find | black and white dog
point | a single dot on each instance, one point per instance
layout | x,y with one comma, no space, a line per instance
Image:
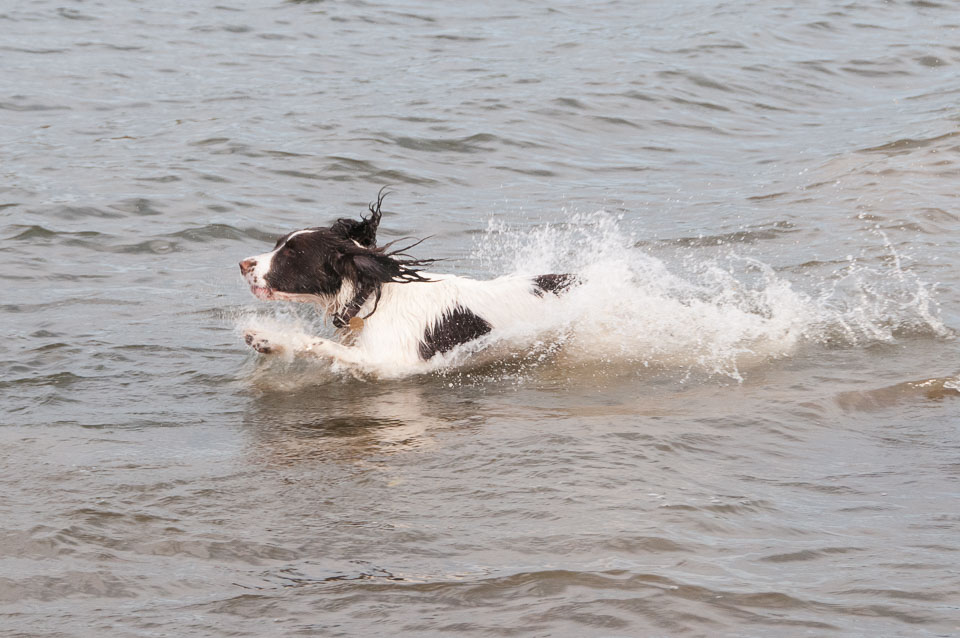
392,317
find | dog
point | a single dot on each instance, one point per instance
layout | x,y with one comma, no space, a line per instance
392,317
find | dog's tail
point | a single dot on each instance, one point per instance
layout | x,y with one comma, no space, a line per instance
557,284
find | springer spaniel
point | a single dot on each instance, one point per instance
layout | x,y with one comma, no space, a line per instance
391,316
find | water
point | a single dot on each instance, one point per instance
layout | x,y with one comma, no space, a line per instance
743,424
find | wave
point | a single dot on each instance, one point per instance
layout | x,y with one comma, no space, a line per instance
933,389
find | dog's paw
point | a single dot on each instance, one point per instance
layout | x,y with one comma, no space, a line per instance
261,342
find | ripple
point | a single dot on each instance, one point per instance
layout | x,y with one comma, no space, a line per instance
73,14
468,144
70,583
933,389
81,212
221,231
705,105
808,554
10,106
39,232
351,169
617,121
162,179
773,230
29,50
57,380
907,145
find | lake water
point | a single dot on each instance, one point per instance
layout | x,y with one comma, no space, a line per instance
745,424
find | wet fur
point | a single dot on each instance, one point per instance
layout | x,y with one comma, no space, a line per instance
411,319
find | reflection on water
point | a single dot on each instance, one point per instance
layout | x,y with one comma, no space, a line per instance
343,420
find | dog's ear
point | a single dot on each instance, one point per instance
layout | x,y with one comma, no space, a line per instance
373,267
377,266
364,232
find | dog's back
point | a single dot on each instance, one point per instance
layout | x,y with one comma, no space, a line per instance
416,322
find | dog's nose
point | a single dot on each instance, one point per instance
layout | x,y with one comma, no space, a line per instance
247,265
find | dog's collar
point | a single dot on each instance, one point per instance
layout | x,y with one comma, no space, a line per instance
348,316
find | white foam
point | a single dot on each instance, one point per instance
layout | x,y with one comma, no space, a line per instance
704,314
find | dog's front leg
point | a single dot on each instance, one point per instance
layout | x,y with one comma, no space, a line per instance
302,346
263,342
338,352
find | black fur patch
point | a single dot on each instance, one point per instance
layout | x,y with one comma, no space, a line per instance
454,328
552,283
308,263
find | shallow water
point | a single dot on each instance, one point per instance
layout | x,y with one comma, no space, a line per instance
744,425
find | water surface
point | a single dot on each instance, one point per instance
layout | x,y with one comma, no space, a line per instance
745,426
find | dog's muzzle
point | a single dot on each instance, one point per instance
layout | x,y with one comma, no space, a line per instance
260,291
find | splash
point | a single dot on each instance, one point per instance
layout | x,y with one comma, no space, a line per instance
287,324
703,315
684,314
863,303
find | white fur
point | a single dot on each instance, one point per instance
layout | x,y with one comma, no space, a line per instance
389,343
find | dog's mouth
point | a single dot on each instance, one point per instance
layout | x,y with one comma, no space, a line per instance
266,293
263,292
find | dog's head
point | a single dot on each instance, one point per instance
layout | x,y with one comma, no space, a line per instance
313,264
